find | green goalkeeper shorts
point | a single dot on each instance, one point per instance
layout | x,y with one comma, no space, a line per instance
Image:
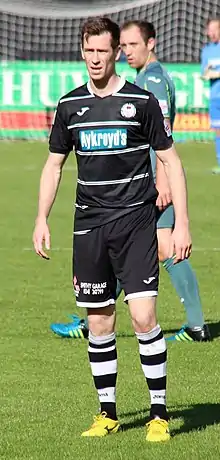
166,218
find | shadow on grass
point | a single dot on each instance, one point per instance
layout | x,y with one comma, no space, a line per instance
125,334
197,417
213,327
214,331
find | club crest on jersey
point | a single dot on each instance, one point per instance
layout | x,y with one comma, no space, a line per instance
128,110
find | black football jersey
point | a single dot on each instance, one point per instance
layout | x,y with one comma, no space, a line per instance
111,137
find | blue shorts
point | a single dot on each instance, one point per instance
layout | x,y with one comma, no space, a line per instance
166,218
214,112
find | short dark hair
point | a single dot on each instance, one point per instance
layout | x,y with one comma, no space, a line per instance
146,28
98,26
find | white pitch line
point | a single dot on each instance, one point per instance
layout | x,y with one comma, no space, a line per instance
34,167
198,249
31,168
195,249
57,249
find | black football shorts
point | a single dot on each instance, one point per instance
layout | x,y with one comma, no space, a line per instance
124,249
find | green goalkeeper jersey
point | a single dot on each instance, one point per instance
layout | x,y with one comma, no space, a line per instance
154,78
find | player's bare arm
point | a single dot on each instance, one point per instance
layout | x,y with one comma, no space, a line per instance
162,185
49,184
181,238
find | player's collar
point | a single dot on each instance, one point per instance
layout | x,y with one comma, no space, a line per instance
119,86
149,64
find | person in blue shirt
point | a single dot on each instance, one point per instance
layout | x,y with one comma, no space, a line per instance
210,69
137,43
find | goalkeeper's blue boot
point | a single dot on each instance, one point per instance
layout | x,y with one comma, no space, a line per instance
186,334
76,329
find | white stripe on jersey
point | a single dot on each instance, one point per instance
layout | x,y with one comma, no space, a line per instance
84,206
104,123
76,98
112,182
135,204
82,232
138,96
113,152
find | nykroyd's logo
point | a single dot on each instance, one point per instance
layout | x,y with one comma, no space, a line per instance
103,139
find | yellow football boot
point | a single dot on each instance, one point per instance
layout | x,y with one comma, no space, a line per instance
102,426
157,430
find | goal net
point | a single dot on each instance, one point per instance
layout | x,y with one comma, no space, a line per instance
40,57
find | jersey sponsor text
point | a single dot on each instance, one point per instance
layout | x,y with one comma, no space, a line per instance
100,139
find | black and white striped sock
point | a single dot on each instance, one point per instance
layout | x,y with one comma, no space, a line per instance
153,355
103,361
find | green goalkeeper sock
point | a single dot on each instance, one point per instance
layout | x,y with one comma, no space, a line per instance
118,289
185,283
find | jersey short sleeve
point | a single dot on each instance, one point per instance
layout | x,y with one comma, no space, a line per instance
156,128
60,140
157,86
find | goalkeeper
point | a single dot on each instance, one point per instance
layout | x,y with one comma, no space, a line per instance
137,43
211,72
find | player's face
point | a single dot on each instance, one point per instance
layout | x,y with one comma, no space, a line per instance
134,47
99,56
213,31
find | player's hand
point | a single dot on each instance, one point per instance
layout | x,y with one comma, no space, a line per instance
181,243
164,198
41,238
211,74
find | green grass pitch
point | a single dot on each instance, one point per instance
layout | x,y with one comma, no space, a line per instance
47,395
